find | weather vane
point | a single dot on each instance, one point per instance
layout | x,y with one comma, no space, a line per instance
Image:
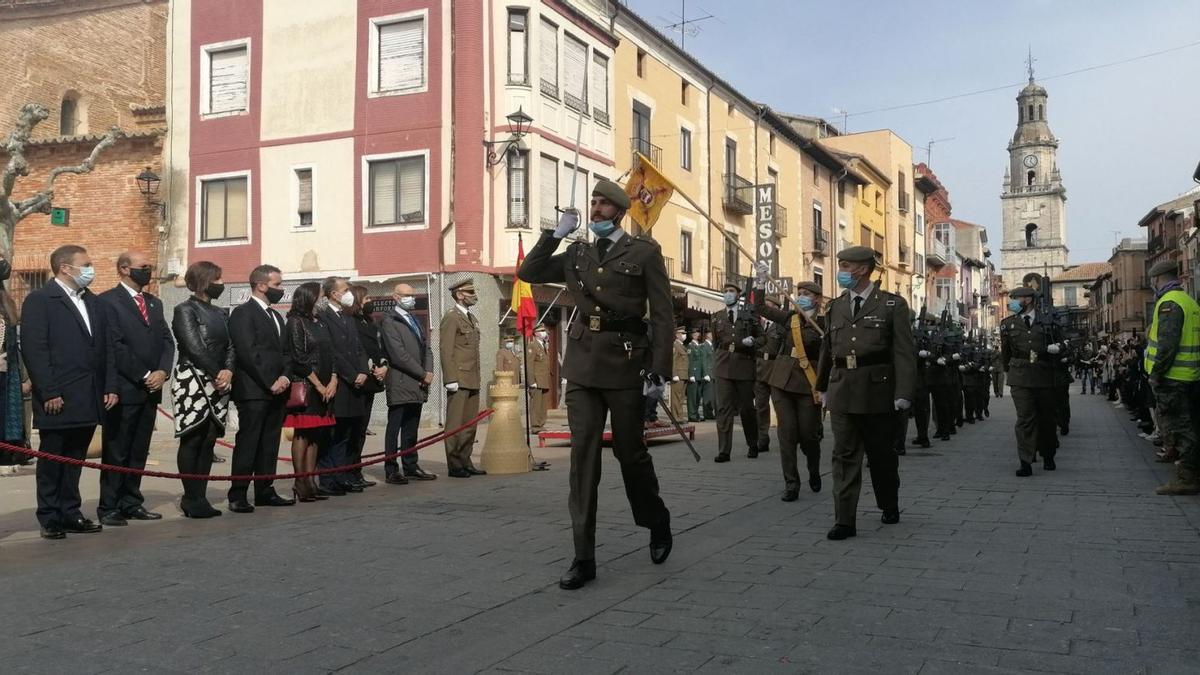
1029,63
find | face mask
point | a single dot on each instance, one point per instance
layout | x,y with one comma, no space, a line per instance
86,275
214,291
5,270
845,279
804,302
679,337
274,295
407,302
1014,306
139,276
730,298
602,228
346,299
541,334
468,300
508,345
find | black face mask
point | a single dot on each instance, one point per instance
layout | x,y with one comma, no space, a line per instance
214,291
5,270
139,275
274,295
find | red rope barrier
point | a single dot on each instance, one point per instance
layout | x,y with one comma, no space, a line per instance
278,476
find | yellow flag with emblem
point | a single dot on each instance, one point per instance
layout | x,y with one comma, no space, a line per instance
648,190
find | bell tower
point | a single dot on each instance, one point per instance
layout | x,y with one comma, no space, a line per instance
1034,201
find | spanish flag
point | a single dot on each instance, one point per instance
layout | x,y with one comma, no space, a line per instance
523,306
648,192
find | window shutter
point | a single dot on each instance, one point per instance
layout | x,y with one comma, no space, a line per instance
598,83
518,45
402,55
547,190
304,178
548,58
412,190
227,77
383,193
574,69
518,199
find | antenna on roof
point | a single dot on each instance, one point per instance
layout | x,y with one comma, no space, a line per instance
844,113
929,149
684,25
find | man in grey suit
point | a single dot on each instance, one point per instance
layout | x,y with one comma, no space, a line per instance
408,380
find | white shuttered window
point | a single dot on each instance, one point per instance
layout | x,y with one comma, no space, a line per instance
518,46
397,192
547,191
575,58
598,84
582,189
401,55
548,58
228,80
304,198
518,189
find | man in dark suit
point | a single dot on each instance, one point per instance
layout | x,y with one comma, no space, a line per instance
74,381
408,382
260,389
143,351
350,364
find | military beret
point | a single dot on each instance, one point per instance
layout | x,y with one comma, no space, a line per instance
731,285
464,285
1022,292
810,286
1164,267
774,300
612,192
858,254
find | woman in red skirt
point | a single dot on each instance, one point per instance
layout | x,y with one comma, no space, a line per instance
312,363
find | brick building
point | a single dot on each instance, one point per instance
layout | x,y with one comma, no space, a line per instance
1167,225
1121,297
96,64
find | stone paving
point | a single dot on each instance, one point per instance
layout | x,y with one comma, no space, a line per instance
1083,570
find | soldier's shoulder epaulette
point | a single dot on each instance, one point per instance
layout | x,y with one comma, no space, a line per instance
645,239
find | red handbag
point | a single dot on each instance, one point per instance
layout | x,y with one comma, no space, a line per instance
298,396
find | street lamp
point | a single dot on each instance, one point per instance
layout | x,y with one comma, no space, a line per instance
148,183
521,124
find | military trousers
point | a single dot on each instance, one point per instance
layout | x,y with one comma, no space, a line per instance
695,400
956,392
1177,404
678,394
762,412
998,383
461,406
709,396
855,436
1062,405
943,409
587,409
920,413
735,398
799,425
537,408
1035,422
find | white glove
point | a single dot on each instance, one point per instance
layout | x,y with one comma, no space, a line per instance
748,341
564,383
567,223
707,378
1054,348
962,369
1066,360
924,353
675,378
941,361
821,395
902,404
451,387
956,356
653,387
533,385
761,270
691,379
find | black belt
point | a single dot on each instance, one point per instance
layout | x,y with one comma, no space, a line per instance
600,324
854,361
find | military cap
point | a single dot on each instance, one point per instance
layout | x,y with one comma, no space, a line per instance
681,328
810,286
612,192
464,285
1022,292
858,254
1164,267
539,326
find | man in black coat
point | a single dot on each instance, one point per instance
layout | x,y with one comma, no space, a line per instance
260,389
143,352
74,381
349,404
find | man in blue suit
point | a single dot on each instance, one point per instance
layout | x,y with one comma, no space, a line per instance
74,382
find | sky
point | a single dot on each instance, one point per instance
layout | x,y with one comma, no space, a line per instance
1129,134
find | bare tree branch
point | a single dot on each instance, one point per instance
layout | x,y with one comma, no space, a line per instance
110,137
30,116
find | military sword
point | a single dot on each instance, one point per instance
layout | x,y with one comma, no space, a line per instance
675,423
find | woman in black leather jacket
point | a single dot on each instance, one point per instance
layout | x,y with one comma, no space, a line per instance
312,363
202,381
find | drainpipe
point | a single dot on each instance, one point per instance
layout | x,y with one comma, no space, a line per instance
708,176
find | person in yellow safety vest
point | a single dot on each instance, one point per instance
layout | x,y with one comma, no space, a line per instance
1173,367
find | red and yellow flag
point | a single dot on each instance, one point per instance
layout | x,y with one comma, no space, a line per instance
649,191
523,305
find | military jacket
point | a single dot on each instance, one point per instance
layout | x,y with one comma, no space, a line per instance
679,360
734,360
628,285
868,359
539,364
508,362
696,361
1023,353
785,371
459,347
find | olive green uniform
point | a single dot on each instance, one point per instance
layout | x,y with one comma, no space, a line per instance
797,412
679,376
1031,381
735,372
539,383
459,351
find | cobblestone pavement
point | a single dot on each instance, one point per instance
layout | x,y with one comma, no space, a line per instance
1082,570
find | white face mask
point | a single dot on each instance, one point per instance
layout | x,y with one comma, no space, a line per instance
508,345
541,334
407,302
346,298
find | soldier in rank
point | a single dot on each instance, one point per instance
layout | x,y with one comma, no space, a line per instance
1029,359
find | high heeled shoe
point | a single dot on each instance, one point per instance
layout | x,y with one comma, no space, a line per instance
302,496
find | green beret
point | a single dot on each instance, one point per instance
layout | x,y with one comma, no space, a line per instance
1164,267
728,285
613,193
1022,292
858,254
810,286
774,300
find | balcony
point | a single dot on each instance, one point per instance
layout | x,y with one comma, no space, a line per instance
820,242
1156,244
652,152
548,88
938,253
904,257
903,202
780,221
738,195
